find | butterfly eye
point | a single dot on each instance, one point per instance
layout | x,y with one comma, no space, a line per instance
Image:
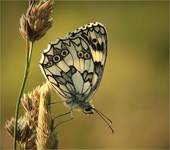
56,58
86,55
64,53
80,54
88,110
94,40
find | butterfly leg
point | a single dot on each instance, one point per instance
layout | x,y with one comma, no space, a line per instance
56,102
69,112
71,118
51,103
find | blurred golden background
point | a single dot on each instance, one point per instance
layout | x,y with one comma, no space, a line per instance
134,88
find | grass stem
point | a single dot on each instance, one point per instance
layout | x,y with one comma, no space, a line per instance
27,66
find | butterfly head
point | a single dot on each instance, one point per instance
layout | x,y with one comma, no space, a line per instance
87,109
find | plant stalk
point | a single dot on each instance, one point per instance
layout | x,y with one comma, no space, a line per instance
27,66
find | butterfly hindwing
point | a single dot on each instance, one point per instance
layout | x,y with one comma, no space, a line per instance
74,65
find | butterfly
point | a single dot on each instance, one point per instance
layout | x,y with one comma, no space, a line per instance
74,66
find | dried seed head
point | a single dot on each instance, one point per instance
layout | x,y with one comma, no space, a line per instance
23,131
35,128
31,143
46,138
37,20
30,103
9,126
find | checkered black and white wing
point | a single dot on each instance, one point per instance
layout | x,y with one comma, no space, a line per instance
74,65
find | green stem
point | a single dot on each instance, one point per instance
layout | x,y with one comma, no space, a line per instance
27,66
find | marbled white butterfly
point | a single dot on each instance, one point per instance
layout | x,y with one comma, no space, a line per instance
74,66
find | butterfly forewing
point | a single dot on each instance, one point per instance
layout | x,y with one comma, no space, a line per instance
74,65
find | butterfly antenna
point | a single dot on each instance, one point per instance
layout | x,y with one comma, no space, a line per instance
105,119
51,103
105,116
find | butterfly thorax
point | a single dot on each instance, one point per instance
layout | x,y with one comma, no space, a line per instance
86,107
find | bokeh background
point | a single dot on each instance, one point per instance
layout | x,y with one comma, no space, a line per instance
134,88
